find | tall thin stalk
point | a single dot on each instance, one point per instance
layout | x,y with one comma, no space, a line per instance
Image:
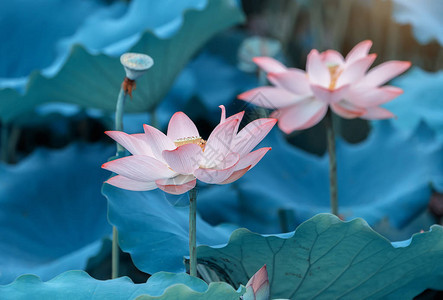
330,136
192,232
119,110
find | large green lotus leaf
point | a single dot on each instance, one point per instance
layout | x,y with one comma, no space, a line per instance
215,291
52,215
423,16
153,231
93,81
326,258
79,285
421,101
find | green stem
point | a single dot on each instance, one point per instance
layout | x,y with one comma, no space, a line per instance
192,232
332,163
115,253
119,110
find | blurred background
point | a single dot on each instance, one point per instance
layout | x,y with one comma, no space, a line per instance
39,37
59,80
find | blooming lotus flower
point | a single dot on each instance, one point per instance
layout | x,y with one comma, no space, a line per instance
301,99
174,161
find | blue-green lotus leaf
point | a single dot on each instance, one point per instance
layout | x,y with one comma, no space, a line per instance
98,27
423,16
52,215
93,80
79,285
37,31
153,231
386,177
326,258
421,101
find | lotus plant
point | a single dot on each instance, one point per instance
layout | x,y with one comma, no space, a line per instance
174,161
301,99
135,65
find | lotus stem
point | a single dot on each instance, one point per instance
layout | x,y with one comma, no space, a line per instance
192,232
119,110
332,162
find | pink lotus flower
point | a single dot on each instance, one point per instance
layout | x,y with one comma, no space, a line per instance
174,161
301,99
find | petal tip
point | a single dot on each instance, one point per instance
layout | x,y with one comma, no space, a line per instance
244,95
257,59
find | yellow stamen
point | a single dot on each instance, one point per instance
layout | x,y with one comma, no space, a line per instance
335,73
191,140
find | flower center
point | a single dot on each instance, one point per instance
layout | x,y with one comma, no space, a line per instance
335,73
191,140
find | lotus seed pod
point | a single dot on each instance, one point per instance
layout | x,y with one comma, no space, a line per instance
136,64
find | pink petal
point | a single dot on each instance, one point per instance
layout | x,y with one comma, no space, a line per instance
332,57
223,113
219,173
158,141
270,97
131,185
300,116
359,51
268,64
317,71
139,167
247,163
177,185
177,180
185,159
251,135
213,176
329,96
251,159
235,176
294,80
135,143
219,143
355,71
384,72
260,283
180,126
347,110
238,117
374,96
377,113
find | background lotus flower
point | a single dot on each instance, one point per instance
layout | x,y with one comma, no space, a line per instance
301,99
174,161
